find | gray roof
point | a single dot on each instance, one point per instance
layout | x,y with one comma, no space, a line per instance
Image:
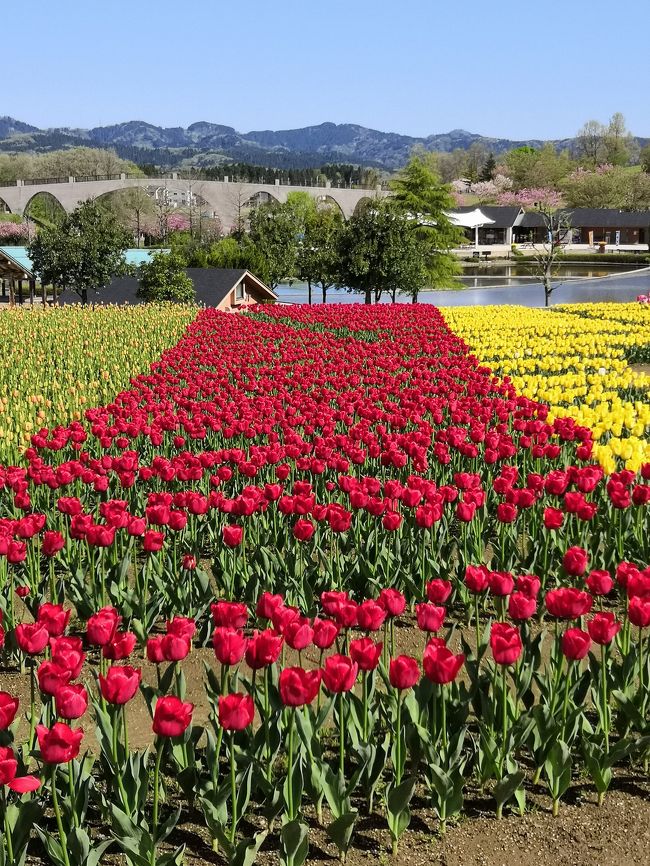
593,217
211,285
504,217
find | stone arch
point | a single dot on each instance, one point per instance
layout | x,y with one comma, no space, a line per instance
363,201
52,202
262,196
4,207
327,201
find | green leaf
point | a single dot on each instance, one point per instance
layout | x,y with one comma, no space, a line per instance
295,841
505,789
340,830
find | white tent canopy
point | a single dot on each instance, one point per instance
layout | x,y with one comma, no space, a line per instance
473,219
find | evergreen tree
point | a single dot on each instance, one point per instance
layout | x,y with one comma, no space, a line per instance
424,201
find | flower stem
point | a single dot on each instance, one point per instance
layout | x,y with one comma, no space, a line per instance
156,795
603,674
59,823
233,788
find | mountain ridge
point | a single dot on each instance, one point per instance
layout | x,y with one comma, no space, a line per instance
206,143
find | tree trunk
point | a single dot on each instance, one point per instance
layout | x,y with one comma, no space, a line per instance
377,295
324,295
414,297
368,299
84,296
309,291
393,295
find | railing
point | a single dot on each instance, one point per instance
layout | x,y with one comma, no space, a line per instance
41,181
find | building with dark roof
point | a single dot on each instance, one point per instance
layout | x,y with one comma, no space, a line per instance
227,289
591,226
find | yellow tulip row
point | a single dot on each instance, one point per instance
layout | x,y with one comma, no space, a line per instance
60,361
573,358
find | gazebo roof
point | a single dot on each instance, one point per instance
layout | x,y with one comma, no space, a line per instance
470,219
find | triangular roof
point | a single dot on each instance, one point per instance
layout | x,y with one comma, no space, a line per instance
211,286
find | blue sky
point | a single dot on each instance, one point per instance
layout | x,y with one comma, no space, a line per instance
513,69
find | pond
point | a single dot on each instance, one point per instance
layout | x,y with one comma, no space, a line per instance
623,286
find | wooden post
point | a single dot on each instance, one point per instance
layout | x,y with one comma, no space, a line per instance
44,294
12,292
20,292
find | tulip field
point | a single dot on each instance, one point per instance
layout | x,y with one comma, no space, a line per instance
268,577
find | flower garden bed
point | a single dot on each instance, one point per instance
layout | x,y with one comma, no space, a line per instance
380,592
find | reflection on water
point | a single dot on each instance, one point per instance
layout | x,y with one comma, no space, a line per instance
485,275
622,287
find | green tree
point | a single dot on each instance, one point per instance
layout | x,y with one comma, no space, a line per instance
617,141
320,249
421,198
644,159
489,168
275,230
230,253
381,253
163,278
84,253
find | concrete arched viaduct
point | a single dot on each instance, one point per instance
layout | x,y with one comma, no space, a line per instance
225,198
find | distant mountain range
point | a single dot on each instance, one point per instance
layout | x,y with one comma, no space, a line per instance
206,143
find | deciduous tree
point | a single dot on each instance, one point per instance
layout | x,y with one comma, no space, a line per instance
84,253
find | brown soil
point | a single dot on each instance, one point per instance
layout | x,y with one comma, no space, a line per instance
640,368
584,834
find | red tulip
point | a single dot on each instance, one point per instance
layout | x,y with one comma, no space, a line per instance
403,672
366,653
370,615
575,561
505,643
339,673
599,582
303,530
51,676
8,770
233,614
181,626
639,611
298,686
438,591
60,743
325,632
575,644
298,633
8,709
521,606
232,535
120,683
429,616
392,601
120,646
172,716
102,625
52,543
175,647
153,541
566,602
603,627
71,701
236,711
267,604
476,578
229,645
263,649
440,664
32,637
